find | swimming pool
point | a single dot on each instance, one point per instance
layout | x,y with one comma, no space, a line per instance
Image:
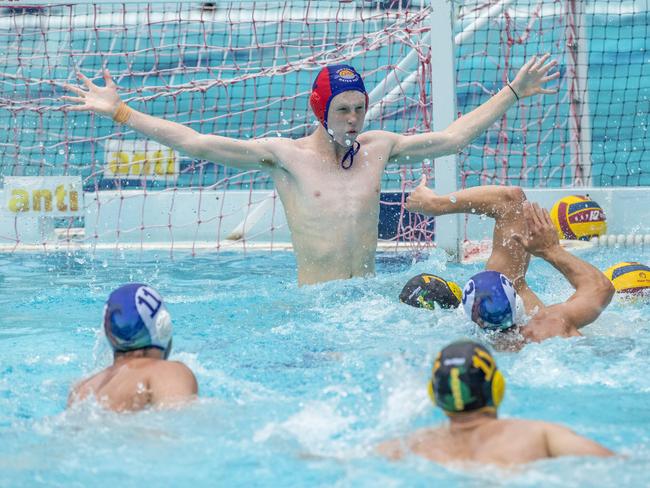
297,384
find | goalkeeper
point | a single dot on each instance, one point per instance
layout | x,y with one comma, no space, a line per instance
329,182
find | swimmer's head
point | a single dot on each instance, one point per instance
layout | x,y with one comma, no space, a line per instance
490,300
330,82
428,291
465,379
135,317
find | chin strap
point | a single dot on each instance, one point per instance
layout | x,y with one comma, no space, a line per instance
350,154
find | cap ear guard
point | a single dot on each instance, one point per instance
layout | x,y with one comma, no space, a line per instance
496,383
498,388
430,389
455,289
432,394
155,315
163,325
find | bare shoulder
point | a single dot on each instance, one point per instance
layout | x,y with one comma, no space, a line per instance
418,442
540,427
563,441
552,427
280,142
524,424
176,368
394,449
523,433
290,152
78,391
379,136
85,387
172,379
276,145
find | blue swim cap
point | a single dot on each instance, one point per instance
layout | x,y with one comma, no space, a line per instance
135,317
490,300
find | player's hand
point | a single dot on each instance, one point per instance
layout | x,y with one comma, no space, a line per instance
422,199
103,100
541,236
534,75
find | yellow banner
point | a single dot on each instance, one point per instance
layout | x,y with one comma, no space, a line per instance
52,196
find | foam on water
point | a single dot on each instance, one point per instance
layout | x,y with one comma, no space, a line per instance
297,384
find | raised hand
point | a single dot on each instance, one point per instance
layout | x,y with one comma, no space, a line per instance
533,76
101,100
422,199
541,236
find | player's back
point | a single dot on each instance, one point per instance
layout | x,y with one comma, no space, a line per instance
501,442
130,385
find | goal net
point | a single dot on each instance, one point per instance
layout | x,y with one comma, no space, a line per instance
245,69
591,135
237,69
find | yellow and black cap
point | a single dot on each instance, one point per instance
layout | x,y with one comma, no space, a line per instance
427,290
465,378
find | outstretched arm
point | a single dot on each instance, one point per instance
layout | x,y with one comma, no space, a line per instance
253,154
529,81
593,290
564,442
504,205
493,201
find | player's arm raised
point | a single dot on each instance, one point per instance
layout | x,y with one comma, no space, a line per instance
593,291
252,154
529,81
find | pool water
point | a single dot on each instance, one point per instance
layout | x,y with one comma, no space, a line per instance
297,385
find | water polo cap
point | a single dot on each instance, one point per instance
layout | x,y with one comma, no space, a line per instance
490,300
465,378
331,81
427,291
135,317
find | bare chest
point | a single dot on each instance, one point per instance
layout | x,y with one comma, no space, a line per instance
322,181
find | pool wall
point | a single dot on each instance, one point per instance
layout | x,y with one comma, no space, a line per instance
183,218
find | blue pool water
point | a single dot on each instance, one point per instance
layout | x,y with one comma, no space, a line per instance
297,384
